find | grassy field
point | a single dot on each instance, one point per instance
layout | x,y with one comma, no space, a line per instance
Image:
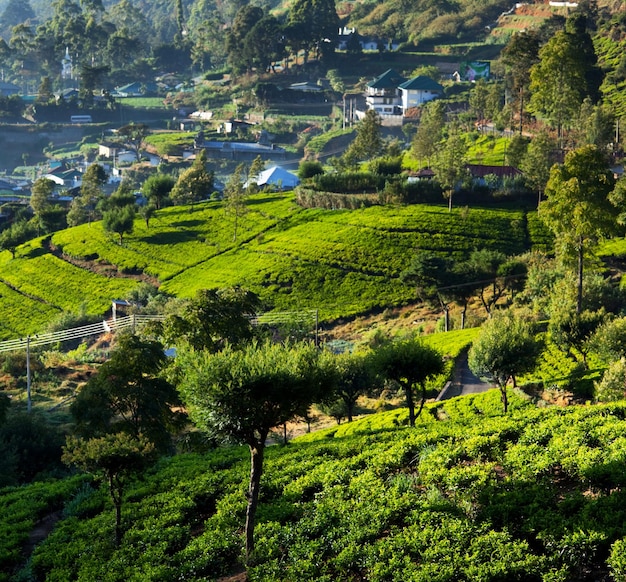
342,263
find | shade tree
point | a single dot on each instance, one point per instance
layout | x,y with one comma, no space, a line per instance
116,458
128,394
242,394
580,208
214,318
505,348
410,363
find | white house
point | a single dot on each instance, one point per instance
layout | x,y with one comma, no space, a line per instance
419,90
383,95
391,94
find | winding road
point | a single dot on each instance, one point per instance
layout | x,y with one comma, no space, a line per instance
465,382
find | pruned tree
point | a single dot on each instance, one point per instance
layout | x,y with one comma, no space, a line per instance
243,394
410,363
355,377
505,348
114,457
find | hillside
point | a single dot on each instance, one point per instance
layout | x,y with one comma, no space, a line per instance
341,263
466,495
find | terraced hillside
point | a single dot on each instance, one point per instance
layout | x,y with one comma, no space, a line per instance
340,262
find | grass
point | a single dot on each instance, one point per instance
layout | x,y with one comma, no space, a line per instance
142,102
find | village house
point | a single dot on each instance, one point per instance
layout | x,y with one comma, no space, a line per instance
391,95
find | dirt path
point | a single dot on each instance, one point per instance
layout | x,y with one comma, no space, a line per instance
40,532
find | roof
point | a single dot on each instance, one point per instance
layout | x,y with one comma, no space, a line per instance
277,176
421,83
390,79
306,86
479,171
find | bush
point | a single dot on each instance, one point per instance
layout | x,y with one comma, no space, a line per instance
309,170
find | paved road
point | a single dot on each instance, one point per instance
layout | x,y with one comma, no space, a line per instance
464,382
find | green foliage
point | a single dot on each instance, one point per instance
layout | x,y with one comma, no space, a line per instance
505,348
468,495
127,395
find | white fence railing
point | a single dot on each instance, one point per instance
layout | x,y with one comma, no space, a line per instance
53,337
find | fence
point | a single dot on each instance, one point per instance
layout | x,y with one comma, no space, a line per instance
132,322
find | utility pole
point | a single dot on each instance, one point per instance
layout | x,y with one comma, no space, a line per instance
28,400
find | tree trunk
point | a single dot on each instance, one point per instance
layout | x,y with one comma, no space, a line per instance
504,397
579,296
422,401
256,469
410,404
115,488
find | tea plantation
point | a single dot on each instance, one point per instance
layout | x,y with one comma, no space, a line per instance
468,494
341,262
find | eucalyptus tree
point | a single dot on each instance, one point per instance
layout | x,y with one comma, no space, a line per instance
519,56
566,74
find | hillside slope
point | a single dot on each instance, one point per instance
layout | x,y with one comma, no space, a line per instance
341,263
466,495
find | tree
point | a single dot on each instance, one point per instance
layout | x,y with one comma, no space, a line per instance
134,134
430,130
235,196
409,363
579,209
214,318
40,194
128,395
264,44
44,93
567,73
354,378
157,188
428,272
571,330
119,220
519,56
194,184
147,211
243,394
257,166
368,143
450,165
245,20
115,457
505,348
537,161
15,235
